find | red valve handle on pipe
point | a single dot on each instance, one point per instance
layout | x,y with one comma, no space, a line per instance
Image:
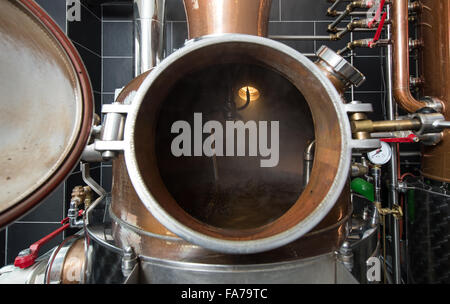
377,14
27,257
409,139
379,30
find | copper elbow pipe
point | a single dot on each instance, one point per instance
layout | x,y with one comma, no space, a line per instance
400,39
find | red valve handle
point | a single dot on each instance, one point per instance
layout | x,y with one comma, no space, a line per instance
410,139
67,219
27,257
379,30
377,14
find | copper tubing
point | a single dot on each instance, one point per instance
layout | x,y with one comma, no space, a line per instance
400,39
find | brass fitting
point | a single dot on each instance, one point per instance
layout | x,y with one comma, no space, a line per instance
416,82
370,126
356,119
396,210
415,43
415,7
82,195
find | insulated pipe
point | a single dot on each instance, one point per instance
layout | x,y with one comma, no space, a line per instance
148,34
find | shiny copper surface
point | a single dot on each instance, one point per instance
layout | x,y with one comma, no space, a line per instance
127,206
434,30
157,242
206,17
74,263
125,202
338,83
36,33
400,40
135,226
326,132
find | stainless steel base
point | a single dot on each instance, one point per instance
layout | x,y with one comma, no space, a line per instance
325,269
105,261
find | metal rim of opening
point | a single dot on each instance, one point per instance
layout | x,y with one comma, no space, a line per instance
241,244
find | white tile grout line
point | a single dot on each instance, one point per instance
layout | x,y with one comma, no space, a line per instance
86,48
315,41
92,13
117,57
118,20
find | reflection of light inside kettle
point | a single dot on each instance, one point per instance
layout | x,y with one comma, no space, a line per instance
253,92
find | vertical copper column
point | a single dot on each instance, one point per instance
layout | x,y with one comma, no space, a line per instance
400,39
206,17
435,68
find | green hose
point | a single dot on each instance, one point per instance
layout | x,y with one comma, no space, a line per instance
363,187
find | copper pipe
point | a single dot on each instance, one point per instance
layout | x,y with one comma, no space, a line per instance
206,17
400,39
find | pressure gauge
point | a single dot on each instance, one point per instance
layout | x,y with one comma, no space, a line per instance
381,155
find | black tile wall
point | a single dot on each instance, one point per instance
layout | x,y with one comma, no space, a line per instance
117,47
22,235
86,35
51,210
293,10
117,72
56,10
2,247
117,11
294,28
179,35
175,11
117,60
86,31
93,64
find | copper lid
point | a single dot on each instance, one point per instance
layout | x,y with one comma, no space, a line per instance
46,108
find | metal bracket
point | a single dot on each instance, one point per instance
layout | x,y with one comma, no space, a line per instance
129,261
109,140
358,107
354,108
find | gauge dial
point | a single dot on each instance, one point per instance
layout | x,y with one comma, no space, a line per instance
381,155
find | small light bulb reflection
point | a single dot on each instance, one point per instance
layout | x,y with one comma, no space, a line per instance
253,92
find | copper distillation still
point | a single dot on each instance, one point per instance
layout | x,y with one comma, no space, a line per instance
226,219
